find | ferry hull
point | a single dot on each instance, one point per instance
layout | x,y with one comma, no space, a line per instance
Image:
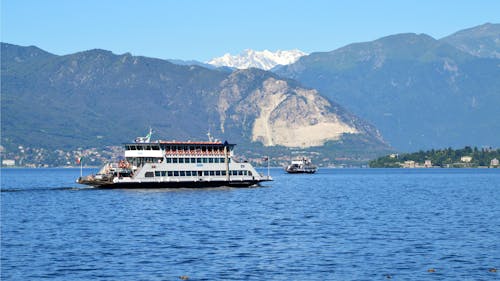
301,171
173,184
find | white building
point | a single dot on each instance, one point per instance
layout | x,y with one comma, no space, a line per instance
409,164
8,162
466,159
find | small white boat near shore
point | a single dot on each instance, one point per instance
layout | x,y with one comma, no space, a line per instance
301,166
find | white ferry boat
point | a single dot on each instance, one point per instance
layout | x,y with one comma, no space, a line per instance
301,165
176,164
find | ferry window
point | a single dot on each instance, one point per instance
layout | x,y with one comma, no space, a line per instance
139,147
212,173
240,173
188,173
205,160
149,174
132,147
210,160
205,173
217,173
193,160
163,173
182,173
198,160
223,173
181,160
249,173
174,160
222,160
186,160
157,174
245,173
191,148
169,173
169,160
176,173
155,147
147,147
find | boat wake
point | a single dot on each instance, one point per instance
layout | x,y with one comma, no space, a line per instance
43,189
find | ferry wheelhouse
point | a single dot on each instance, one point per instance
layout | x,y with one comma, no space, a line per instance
175,164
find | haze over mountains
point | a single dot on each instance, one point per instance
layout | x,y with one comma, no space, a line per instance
409,91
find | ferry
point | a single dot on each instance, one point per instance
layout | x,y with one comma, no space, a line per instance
301,165
176,164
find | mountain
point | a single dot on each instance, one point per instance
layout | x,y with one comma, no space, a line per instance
191,62
421,93
197,63
96,98
259,59
481,41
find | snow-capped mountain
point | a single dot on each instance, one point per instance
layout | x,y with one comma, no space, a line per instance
259,59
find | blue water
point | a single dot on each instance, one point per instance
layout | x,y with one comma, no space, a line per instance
338,224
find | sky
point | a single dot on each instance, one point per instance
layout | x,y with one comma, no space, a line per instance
204,29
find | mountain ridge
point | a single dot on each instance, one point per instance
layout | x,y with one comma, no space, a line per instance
420,92
96,98
481,41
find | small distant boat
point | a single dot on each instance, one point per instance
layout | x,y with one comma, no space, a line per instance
300,166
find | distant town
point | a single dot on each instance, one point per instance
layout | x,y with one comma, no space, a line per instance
44,158
28,157
467,157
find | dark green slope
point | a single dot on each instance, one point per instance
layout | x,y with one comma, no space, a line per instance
95,98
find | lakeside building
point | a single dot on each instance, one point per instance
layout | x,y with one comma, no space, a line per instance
8,162
466,159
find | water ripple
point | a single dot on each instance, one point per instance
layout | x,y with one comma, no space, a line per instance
335,225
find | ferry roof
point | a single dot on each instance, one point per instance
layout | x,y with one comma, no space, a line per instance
173,142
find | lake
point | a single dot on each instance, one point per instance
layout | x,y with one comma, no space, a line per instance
338,224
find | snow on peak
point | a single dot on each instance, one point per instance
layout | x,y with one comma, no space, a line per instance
259,59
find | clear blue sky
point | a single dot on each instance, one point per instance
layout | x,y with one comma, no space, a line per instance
203,29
